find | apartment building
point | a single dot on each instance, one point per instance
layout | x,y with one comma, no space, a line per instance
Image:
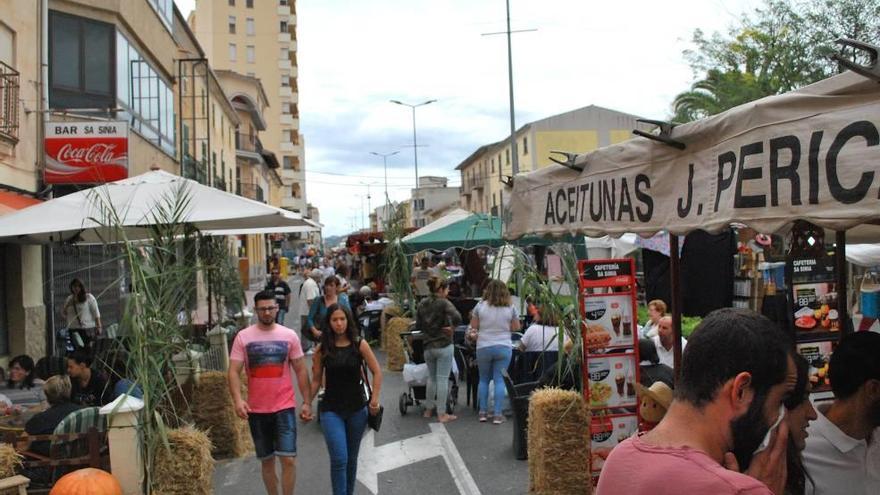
578,131
257,38
433,195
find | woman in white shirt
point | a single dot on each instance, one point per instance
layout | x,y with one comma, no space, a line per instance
541,335
656,310
82,314
493,318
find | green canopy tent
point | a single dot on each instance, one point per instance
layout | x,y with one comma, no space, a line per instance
465,230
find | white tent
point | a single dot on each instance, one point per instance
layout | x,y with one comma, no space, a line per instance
85,216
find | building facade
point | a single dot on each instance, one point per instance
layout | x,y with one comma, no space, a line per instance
234,33
577,131
433,194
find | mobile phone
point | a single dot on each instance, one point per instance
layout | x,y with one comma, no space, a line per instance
766,441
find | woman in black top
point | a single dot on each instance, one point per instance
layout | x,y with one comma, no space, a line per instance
337,364
437,319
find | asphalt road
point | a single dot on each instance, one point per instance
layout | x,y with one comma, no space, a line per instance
412,455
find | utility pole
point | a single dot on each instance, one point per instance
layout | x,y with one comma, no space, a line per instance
514,160
385,166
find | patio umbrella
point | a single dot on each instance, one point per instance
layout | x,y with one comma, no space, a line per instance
83,216
458,229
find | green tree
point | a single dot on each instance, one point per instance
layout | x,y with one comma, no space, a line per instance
779,47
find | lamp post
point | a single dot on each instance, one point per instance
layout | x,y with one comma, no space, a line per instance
415,144
385,166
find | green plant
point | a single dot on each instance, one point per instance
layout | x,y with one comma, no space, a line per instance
224,284
397,265
162,275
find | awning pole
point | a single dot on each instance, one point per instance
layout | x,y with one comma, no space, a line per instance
675,294
842,279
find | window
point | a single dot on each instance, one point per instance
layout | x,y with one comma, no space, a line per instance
165,9
145,96
493,165
525,145
232,3
285,80
283,26
249,4
232,24
251,54
249,26
232,52
251,74
283,2
419,204
81,71
284,52
288,163
507,156
7,44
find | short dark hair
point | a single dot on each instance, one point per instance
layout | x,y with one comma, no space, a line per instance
727,342
81,356
855,361
264,295
648,351
331,280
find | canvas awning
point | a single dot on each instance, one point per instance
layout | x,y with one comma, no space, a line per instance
11,202
809,154
83,216
456,229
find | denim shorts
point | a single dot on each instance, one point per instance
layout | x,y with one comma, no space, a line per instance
274,433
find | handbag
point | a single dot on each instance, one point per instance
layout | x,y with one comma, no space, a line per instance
374,420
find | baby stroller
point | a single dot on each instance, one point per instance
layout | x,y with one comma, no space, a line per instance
416,374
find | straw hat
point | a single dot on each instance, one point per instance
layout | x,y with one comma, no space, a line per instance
659,391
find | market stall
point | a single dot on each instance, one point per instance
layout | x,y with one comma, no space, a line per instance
810,154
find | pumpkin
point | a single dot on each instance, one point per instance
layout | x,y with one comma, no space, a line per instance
88,481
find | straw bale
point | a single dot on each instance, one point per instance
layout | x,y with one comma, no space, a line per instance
10,465
393,345
188,468
559,443
214,412
388,313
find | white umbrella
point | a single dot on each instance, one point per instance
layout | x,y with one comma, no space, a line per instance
84,216
311,226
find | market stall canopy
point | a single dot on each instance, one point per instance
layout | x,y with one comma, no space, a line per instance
866,255
11,202
456,229
310,226
83,216
809,154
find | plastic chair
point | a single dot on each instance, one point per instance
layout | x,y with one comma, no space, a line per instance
530,366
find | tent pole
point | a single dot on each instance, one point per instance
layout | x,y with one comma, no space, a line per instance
675,281
842,279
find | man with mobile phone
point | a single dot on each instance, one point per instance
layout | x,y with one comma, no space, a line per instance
735,373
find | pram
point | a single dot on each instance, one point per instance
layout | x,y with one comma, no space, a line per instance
413,349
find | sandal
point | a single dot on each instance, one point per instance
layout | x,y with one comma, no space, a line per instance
429,413
447,418
483,417
497,420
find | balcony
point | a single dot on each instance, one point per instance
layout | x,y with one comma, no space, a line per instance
283,10
219,183
284,64
285,91
250,190
248,142
284,38
286,119
472,184
9,84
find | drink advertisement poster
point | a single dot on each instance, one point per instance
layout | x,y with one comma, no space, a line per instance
606,432
611,314
92,152
611,379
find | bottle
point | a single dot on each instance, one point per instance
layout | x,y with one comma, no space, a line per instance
869,296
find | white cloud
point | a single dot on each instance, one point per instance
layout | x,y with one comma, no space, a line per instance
354,56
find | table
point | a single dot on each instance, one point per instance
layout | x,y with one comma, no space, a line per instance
14,423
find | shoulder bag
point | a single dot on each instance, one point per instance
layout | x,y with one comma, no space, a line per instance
374,420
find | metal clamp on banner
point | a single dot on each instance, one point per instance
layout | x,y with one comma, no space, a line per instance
871,71
665,133
570,158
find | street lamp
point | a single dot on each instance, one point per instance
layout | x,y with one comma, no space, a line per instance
385,165
415,145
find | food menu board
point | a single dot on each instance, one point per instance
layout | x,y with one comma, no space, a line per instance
612,380
606,432
818,354
611,314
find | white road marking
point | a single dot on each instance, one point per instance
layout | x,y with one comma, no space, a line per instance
374,460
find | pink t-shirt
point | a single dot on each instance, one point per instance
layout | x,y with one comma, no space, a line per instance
267,356
637,468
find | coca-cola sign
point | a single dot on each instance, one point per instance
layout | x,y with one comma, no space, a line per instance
86,152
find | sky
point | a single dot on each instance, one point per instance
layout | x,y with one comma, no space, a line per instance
354,56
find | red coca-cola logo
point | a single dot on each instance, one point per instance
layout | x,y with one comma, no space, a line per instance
95,154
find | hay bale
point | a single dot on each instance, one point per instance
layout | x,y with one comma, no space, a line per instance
559,443
214,413
393,345
10,461
188,468
388,313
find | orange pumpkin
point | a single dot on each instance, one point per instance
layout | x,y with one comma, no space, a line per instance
88,481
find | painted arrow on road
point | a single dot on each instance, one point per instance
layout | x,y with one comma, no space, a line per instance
374,460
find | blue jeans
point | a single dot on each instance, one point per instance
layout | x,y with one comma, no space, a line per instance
279,318
439,361
343,433
491,361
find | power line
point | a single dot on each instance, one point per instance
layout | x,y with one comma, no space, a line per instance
371,176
